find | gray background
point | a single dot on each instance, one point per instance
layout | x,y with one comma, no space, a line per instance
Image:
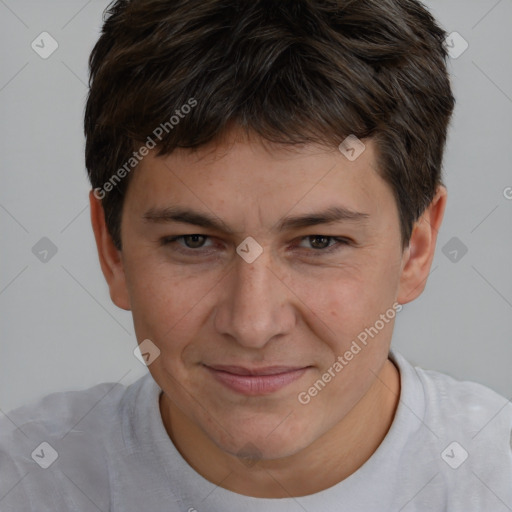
60,330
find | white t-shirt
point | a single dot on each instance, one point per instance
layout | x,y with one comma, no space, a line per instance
448,449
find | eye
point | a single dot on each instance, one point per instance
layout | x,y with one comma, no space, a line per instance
194,241
325,244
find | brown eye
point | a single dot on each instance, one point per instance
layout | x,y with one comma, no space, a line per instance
323,244
194,241
182,243
319,241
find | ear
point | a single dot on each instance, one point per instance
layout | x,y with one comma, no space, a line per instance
110,257
417,258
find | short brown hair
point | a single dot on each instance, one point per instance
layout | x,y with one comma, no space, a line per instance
291,71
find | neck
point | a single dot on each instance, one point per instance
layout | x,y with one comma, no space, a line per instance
329,460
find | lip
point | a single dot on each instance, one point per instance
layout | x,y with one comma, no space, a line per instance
256,381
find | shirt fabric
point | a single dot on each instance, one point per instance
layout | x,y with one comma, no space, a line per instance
448,449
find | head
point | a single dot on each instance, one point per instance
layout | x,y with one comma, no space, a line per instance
224,119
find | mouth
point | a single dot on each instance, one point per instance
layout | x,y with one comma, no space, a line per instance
256,381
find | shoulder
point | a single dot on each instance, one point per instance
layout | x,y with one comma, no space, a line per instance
43,444
464,436
470,405
57,412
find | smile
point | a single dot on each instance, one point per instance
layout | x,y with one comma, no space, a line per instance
253,382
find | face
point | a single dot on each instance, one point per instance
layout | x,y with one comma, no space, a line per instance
235,267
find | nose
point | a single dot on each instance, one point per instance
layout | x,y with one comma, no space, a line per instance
255,306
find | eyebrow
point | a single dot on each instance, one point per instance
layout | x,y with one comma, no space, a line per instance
187,216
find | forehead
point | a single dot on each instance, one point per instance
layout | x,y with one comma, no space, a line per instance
245,174
238,151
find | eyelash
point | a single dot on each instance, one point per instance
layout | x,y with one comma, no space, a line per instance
330,249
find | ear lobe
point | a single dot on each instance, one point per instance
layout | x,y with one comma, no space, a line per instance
110,257
417,258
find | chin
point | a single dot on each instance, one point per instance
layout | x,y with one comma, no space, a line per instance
261,442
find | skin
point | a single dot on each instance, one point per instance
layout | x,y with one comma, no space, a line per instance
294,305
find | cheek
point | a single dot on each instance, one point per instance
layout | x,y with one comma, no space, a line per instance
346,305
165,304
339,298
